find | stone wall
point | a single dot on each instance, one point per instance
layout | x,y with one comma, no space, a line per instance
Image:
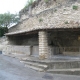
27,51
10,49
59,14
71,53
59,17
3,42
44,5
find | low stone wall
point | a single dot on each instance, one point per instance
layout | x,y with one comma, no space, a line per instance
9,49
71,53
33,50
23,50
1,47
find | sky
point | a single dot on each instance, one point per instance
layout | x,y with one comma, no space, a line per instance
12,6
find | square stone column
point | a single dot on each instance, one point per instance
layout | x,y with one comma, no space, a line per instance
43,45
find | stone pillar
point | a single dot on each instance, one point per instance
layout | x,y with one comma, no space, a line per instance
43,45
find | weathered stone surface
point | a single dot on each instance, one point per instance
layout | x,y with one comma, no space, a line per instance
43,45
57,14
8,49
63,16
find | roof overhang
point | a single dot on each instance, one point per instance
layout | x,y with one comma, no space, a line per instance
20,33
26,32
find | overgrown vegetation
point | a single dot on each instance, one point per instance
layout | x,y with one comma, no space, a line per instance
66,22
6,20
29,3
75,7
40,20
3,30
46,1
64,9
55,10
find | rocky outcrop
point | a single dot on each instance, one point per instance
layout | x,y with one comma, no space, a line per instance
65,15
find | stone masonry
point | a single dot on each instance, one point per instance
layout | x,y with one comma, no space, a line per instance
11,49
43,45
60,14
54,17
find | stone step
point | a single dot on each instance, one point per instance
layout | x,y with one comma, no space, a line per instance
56,64
51,60
35,64
72,71
35,68
64,65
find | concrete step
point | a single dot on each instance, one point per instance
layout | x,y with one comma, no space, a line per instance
72,71
56,64
64,65
35,64
35,68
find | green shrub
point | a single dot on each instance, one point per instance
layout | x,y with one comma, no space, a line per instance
40,20
66,22
29,3
46,1
55,10
75,7
3,30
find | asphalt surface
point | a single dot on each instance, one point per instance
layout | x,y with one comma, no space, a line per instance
12,69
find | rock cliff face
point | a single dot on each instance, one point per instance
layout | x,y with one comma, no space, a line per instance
48,14
41,5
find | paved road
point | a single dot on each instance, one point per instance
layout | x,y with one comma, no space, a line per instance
12,69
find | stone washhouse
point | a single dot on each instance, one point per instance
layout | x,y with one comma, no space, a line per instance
46,28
